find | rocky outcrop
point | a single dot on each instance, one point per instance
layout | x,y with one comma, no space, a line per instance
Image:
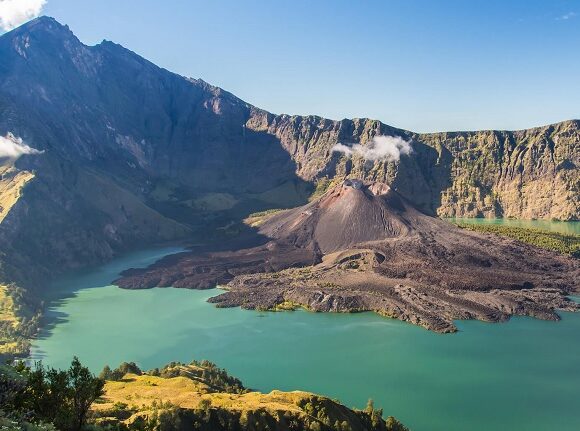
525,174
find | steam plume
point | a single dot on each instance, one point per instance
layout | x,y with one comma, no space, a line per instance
12,147
383,148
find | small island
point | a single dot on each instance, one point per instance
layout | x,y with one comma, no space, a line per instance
361,246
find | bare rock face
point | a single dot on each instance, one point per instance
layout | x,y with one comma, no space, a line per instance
363,247
522,174
348,215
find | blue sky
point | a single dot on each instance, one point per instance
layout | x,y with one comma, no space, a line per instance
421,65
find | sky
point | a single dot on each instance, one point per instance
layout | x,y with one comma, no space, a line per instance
422,65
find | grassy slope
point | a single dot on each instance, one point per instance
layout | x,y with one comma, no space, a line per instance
555,241
8,319
12,181
15,314
135,398
19,320
258,218
7,312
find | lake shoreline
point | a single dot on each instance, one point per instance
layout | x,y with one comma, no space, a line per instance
401,366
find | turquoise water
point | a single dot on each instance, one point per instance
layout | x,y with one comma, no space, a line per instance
520,375
568,227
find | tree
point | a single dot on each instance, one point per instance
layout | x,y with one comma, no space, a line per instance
376,415
119,372
60,397
128,367
106,374
86,388
53,398
394,425
11,385
370,408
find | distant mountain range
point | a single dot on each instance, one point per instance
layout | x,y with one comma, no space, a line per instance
117,153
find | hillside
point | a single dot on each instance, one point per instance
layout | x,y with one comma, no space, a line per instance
195,396
185,397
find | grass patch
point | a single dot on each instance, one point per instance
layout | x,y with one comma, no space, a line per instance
19,321
12,182
258,218
568,244
322,186
7,312
287,306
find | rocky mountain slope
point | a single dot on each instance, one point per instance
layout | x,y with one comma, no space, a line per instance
116,153
523,174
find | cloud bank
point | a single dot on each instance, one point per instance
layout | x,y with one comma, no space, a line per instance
12,147
16,12
383,148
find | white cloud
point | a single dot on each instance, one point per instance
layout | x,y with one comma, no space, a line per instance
384,148
16,12
12,147
566,16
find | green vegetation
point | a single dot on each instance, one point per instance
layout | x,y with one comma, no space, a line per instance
322,186
287,306
265,213
196,396
46,398
118,373
568,244
370,418
19,321
202,371
257,218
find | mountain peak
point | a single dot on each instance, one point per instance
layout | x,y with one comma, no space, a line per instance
43,32
45,24
45,20
41,42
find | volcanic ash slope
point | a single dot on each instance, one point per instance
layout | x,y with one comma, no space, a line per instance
363,247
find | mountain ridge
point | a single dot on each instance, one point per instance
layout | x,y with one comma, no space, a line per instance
49,23
135,155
